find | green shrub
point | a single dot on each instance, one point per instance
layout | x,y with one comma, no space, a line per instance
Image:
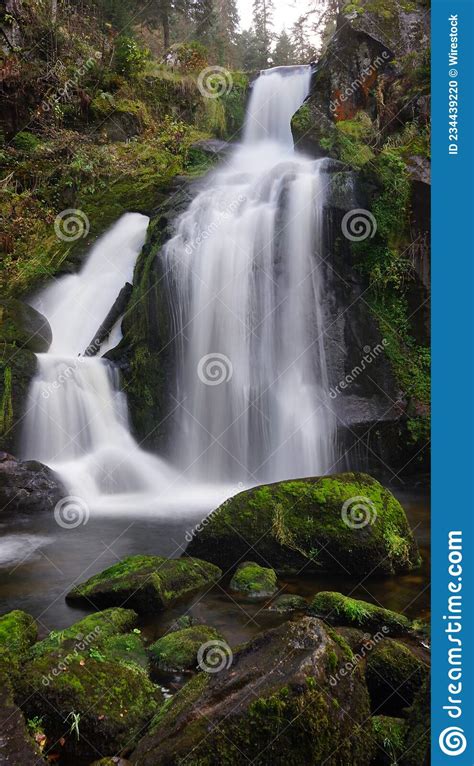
25,141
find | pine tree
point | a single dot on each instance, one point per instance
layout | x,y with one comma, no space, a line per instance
284,53
263,25
249,51
304,50
227,26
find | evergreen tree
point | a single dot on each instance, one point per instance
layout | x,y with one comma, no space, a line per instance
227,26
249,51
304,50
263,26
284,53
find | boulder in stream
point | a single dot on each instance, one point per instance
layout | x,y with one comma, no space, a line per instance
270,703
338,609
28,485
179,650
146,583
254,581
347,523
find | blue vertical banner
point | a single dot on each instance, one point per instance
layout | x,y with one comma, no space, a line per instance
452,719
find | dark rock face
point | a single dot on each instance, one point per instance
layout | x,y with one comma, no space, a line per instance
27,485
16,745
308,524
273,703
23,332
24,326
394,674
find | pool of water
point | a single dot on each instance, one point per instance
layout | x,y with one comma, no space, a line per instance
39,563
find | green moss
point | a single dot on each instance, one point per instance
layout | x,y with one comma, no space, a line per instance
146,582
301,121
417,747
254,581
126,649
18,632
93,630
294,523
342,610
394,674
177,651
25,141
389,734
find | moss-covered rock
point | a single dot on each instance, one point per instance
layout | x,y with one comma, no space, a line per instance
253,581
308,523
146,583
341,610
274,704
288,602
18,632
127,649
394,674
178,651
95,705
90,632
417,745
389,735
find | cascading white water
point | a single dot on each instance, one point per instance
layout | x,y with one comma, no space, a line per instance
246,289
243,270
77,417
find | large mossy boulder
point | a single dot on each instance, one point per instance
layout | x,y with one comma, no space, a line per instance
178,651
270,703
27,485
253,581
86,692
347,523
146,583
394,674
338,609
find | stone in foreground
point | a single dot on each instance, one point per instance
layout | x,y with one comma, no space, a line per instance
347,523
394,674
272,704
146,583
338,609
253,581
89,695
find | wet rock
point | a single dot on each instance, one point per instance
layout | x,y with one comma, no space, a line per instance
273,704
212,146
342,610
27,485
394,674
288,603
417,744
17,369
85,693
345,523
178,651
254,581
23,326
16,745
146,583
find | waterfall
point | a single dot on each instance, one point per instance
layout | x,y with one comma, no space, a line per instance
245,281
244,274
